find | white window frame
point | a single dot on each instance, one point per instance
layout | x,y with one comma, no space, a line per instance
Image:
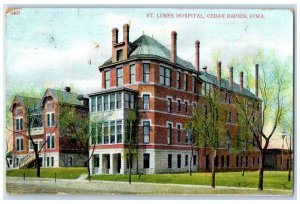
18,128
50,141
18,141
50,113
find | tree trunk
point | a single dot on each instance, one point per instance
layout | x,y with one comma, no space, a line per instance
129,160
190,163
213,170
261,172
89,170
290,167
243,164
37,164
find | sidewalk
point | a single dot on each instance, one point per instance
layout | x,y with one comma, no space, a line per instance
16,185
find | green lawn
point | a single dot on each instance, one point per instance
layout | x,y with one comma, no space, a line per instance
272,179
65,173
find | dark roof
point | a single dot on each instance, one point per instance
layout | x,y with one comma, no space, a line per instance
209,78
67,97
112,90
146,46
31,104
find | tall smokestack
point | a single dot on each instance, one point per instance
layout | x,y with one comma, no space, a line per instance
197,43
115,32
219,73
126,33
241,81
174,47
256,80
231,78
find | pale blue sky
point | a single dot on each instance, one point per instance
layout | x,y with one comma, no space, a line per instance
54,46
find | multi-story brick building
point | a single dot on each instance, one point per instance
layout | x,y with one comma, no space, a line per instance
58,151
164,87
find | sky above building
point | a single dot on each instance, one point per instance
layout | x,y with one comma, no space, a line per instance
57,47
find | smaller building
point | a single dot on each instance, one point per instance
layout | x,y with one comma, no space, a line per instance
277,159
39,117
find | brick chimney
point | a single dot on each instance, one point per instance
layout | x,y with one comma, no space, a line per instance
219,73
205,69
241,81
231,78
173,47
114,35
126,41
256,80
197,43
67,89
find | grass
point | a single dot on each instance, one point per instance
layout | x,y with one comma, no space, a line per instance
61,173
272,179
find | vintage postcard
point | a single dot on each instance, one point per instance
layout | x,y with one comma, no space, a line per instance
149,101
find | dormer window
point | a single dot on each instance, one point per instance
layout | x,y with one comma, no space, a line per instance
119,55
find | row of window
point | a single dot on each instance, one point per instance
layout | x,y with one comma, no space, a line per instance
112,102
239,161
49,145
50,161
165,76
119,78
37,121
107,132
146,133
179,160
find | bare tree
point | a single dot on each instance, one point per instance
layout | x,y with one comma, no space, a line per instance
271,110
131,137
206,126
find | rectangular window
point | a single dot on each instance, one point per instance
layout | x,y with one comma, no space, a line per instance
162,75
93,108
146,128
194,159
119,131
146,158
105,102
194,84
178,133
19,124
169,105
253,161
105,132
132,73
50,120
246,161
112,102
237,161
185,82
168,77
119,100
119,76
99,103
229,117
169,161
52,161
186,106
187,137
107,79
132,101
50,141
99,133
186,160
178,105
126,100
119,55
112,132
146,101
146,73
31,148
19,144
48,161
169,133
227,98
178,80
178,160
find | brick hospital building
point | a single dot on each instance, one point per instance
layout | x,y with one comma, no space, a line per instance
163,87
